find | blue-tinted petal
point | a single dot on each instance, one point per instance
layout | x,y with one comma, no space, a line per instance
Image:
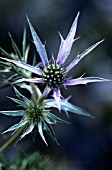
84,80
32,80
24,66
57,97
38,44
66,44
81,56
67,106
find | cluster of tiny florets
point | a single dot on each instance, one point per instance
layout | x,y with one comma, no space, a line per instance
33,113
54,75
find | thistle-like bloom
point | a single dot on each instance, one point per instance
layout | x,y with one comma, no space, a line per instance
37,112
54,73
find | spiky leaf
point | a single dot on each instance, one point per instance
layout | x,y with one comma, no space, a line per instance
13,113
48,128
17,126
20,102
16,49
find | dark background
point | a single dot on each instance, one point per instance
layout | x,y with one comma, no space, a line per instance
85,144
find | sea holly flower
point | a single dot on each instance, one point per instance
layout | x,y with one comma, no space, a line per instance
37,113
54,73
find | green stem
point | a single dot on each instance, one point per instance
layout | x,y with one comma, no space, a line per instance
12,139
44,95
34,89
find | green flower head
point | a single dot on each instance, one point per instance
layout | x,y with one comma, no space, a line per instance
37,113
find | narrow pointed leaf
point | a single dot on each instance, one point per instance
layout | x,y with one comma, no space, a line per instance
29,88
46,92
5,53
48,120
16,49
24,43
82,55
22,97
20,102
55,119
67,106
34,62
40,128
17,126
38,44
84,80
29,128
25,57
66,45
4,64
24,66
20,72
32,80
13,113
48,128
11,79
5,71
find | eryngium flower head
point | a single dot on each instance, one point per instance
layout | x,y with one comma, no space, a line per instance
37,113
53,73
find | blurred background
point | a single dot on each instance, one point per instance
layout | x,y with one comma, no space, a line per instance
85,144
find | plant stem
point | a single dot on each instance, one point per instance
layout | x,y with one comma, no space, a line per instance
34,89
12,139
44,95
